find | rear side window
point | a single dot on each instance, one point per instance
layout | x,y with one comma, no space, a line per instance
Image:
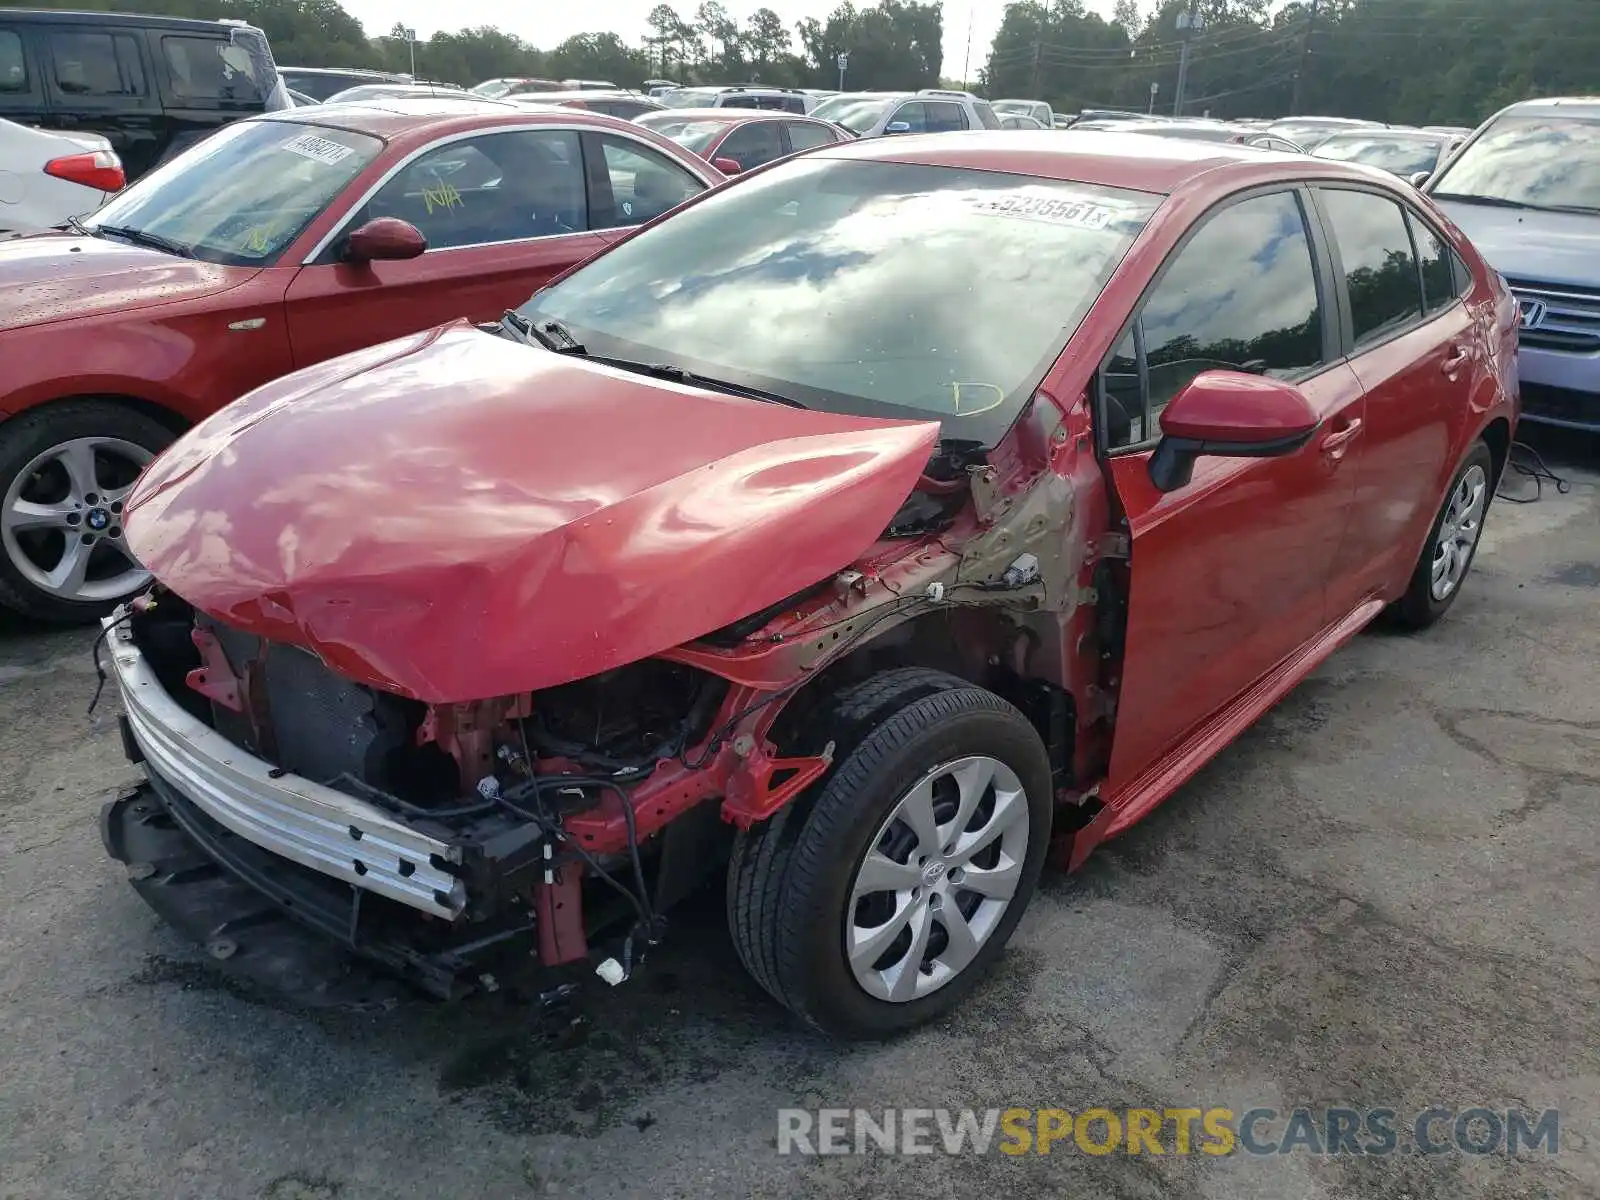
1380,269
212,71
13,66
96,64
1441,269
1240,295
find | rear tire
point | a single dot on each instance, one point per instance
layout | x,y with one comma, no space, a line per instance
1452,543
65,470
801,886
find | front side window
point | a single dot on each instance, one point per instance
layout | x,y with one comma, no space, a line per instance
1529,161
1380,268
89,64
914,116
212,71
13,65
1240,295
753,144
500,187
878,289
943,117
806,135
643,183
243,194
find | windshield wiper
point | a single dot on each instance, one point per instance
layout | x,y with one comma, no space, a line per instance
140,237
1486,201
76,226
679,375
552,335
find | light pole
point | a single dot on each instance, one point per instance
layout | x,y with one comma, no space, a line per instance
1189,21
843,61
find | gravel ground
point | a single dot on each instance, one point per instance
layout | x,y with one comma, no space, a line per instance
1386,894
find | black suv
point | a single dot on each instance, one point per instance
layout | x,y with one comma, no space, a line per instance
153,85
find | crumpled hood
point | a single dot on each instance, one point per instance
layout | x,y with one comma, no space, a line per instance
455,516
48,277
1534,247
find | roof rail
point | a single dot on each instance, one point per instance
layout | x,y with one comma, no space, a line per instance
756,87
945,92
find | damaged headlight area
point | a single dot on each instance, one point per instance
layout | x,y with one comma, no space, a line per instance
287,808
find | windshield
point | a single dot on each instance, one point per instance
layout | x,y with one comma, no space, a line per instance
244,193
686,131
1541,161
1402,156
856,113
494,88
1306,133
877,289
689,98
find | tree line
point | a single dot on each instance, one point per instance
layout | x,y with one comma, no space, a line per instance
1402,61
1413,61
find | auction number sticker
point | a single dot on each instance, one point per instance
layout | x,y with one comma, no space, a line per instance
1043,207
318,149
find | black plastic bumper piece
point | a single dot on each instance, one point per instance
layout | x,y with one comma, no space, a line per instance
263,919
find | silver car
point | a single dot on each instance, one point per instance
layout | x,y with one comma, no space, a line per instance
932,110
1526,189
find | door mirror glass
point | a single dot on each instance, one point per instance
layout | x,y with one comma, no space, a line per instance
728,166
384,239
897,127
1229,414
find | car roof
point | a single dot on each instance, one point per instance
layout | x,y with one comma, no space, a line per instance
1582,104
394,116
348,73
1140,161
522,98
726,116
1390,135
63,16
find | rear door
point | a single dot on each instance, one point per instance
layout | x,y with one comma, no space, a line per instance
98,80
503,214
1412,344
1228,573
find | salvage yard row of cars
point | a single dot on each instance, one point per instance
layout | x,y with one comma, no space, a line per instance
504,522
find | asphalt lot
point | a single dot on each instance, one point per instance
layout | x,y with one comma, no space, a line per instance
1386,894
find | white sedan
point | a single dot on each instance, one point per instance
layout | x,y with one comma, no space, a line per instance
47,178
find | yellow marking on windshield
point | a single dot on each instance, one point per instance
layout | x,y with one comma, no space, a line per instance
994,398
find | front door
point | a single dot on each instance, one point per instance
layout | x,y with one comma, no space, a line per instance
1229,572
503,214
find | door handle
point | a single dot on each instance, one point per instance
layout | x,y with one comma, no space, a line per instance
1336,441
1456,361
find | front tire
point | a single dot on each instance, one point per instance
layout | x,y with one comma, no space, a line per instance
65,472
1452,543
883,902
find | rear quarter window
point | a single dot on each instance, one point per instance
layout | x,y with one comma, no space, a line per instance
211,71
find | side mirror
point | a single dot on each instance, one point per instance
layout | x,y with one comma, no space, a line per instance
1420,177
1228,414
897,127
728,166
384,238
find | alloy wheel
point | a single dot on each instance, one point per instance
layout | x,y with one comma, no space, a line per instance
61,519
937,879
1459,532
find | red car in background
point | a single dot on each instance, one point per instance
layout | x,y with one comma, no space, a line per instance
736,140
281,241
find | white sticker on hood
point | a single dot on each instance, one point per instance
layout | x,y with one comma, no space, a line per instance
319,149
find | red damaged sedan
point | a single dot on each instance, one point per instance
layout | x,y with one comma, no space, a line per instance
868,533
279,242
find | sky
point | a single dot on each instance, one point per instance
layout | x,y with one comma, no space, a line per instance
546,25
